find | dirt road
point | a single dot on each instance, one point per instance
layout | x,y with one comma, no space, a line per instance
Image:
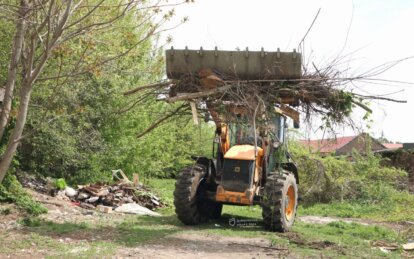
71,232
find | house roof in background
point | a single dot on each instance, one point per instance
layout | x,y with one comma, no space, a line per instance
327,145
331,145
392,145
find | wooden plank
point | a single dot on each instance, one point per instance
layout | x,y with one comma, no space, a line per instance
104,209
194,112
135,179
290,112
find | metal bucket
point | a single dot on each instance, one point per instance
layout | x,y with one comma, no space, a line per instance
238,65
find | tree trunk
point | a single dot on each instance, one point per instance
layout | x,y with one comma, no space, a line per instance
17,130
12,71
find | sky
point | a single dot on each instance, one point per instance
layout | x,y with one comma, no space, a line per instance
367,33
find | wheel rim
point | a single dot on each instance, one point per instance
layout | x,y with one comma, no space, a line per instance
290,201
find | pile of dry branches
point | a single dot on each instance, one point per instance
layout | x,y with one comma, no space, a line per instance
321,92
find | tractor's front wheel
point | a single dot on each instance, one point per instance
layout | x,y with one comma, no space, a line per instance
280,201
190,203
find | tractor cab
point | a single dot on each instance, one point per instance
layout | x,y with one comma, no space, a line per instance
246,156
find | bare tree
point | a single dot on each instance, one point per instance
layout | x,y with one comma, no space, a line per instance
42,26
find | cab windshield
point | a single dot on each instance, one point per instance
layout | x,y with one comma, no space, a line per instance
241,131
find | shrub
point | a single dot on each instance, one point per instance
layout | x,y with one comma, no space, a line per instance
12,191
60,184
356,178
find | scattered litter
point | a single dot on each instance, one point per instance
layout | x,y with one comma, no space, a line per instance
70,192
102,197
155,202
92,199
75,203
117,194
61,195
135,178
104,209
115,175
83,196
86,206
384,246
217,225
39,184
384,250
133,208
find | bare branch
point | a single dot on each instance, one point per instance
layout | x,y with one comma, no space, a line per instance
163,119
145,87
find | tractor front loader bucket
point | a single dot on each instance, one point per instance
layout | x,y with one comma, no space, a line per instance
238,65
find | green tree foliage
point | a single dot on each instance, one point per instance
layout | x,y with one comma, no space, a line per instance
6,34
81,127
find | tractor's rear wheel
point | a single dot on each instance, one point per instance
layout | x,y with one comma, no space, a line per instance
280,201
191,206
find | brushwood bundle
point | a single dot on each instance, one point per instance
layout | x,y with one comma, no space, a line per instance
258,81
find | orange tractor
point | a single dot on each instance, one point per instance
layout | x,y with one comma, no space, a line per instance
250,163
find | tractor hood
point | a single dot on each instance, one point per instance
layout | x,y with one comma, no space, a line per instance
243,152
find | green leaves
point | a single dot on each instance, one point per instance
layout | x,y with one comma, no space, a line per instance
83,127
358,178
12,191
60,184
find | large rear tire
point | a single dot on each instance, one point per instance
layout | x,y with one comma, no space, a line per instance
191,206
280,201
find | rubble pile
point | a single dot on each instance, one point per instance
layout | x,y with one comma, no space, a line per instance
123,196
115,195
39,184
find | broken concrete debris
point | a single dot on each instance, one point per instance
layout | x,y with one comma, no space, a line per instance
102,197
105,209
108,197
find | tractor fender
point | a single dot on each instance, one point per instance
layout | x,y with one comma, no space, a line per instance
291,167
208,163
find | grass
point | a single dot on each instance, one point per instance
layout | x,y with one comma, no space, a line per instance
397,211
336,239
345,236
350,239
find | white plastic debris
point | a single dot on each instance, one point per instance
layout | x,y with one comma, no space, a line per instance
92,199
155,202
70,192
133,208
384,250
83,196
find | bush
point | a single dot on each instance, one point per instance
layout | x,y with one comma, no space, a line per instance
60,184
12,191
356,178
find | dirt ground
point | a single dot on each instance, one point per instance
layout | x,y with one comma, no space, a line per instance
20,241
206,246
179,245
